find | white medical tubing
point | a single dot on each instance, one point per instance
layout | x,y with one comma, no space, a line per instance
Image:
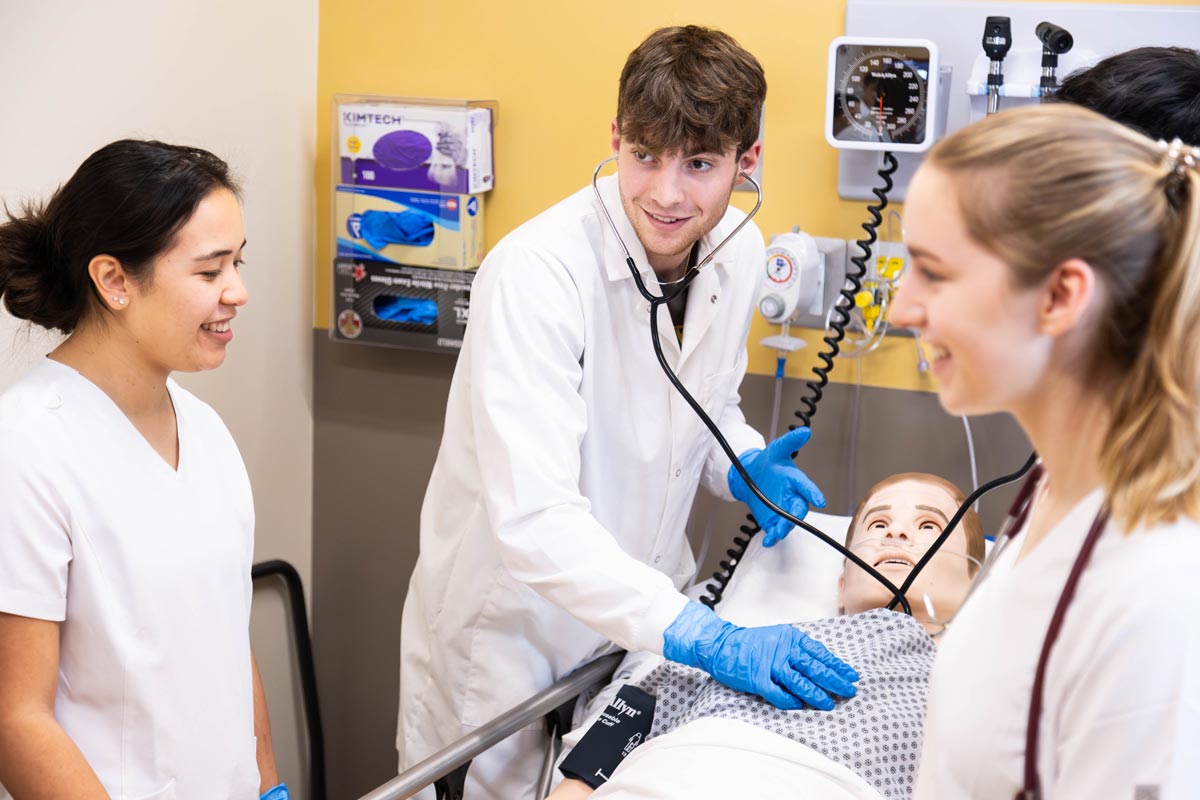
971,453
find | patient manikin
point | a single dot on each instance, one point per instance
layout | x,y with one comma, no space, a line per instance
869,745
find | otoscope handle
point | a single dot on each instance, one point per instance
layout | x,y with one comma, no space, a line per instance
1055,41
997,37
997,40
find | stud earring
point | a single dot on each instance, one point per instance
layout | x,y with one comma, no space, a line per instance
117,299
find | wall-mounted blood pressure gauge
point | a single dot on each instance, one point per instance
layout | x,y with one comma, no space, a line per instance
882,93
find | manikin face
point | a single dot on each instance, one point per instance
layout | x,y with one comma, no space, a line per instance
181,318
898,525
979,330
674,199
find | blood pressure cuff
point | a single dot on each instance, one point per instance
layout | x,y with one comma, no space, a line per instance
381,228
620,729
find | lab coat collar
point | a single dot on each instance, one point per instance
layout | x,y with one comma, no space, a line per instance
614,257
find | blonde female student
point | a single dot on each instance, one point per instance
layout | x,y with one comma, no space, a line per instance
1056,276
126,521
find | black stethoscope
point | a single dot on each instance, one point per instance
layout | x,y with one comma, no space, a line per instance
677,288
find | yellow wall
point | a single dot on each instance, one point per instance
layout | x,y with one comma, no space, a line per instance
553,68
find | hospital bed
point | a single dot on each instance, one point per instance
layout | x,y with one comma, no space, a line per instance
792,582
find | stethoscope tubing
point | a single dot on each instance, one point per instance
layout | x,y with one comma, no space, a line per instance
655,302
898,593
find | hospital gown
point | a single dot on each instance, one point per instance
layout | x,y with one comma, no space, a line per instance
876,734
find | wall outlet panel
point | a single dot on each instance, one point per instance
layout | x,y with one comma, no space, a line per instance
833,252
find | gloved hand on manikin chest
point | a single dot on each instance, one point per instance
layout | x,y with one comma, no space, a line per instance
778,663
771,468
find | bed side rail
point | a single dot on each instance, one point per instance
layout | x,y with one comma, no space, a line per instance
462,752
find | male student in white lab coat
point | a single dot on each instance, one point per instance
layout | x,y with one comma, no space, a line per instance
554,519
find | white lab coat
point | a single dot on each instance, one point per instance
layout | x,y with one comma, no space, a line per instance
554,518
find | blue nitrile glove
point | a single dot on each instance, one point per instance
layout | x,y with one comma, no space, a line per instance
779,479
394,308
381,228
276,792
778,663
402,149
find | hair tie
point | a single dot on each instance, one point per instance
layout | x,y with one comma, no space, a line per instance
1177,156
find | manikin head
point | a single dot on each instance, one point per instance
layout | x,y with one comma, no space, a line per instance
893,526
688,111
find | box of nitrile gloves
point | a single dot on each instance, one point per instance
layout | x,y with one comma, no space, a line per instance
426,229
400,305
409,145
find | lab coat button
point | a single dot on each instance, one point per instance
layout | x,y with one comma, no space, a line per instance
678,472
657,559
714,298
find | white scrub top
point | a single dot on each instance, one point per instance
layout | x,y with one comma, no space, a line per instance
554,517
148,570
1121,713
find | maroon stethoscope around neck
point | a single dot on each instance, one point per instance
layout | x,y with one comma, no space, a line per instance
1017,516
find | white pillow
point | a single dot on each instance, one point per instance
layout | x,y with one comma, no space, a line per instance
794,581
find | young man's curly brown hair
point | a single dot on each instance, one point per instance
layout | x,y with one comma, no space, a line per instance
690,89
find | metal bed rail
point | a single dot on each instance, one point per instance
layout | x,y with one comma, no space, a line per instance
304,657
454,759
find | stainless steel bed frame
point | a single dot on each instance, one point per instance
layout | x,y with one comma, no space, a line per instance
447,768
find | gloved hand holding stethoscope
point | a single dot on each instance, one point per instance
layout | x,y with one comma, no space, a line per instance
775,474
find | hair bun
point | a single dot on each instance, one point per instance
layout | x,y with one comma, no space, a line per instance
27,283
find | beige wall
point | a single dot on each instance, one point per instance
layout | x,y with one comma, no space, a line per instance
238,78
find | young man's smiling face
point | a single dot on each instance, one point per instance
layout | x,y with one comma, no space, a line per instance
674,199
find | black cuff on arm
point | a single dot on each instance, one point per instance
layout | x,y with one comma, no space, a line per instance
622,727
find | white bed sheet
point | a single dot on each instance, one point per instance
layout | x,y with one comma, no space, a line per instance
727,758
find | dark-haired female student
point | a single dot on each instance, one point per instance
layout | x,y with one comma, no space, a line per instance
126,520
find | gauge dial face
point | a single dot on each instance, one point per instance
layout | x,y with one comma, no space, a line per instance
779,268
881,93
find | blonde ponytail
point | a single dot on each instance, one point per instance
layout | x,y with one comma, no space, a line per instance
1039,186
1151,459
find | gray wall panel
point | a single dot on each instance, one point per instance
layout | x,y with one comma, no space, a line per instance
378,421
379,416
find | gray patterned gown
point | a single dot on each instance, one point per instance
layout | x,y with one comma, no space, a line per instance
876,733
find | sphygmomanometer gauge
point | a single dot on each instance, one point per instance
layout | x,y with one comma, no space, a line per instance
882,93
